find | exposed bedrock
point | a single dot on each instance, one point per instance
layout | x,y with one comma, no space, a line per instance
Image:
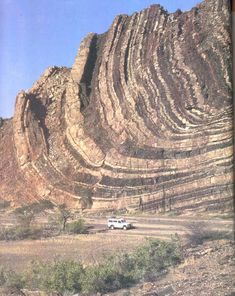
144,114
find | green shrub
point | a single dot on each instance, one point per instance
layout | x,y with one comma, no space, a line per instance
76,227
59,276
148,261
158,256
9,278
20,232
103,278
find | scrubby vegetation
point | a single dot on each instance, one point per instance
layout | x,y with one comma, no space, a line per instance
9,278
20,232
76,227
58,222
115,272
4,204
35,208
58,276
25,217
200,232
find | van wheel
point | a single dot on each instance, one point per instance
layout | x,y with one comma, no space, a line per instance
111,227
124,228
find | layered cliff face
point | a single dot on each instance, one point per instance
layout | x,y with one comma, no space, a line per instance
143,116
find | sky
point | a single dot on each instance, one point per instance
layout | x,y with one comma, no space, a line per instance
37,34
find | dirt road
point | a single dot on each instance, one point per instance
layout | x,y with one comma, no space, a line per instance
161,227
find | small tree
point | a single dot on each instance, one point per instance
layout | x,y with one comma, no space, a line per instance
64,216
86,202
25,216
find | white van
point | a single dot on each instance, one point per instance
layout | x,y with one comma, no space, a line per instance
116,223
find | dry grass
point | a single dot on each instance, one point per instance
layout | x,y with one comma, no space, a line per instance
89,249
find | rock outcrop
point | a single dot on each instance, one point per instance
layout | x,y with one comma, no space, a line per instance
144,117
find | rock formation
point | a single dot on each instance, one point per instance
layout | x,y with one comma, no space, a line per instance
143,117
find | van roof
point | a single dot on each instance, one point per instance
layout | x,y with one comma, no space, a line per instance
115,218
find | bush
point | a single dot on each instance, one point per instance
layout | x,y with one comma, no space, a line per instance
106,277
4,204
41,206
199,232
25,215
9,278
59,276
20,232
36,207
122,270
14,233
76,227
156,256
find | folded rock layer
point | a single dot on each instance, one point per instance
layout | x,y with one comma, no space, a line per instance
143,117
